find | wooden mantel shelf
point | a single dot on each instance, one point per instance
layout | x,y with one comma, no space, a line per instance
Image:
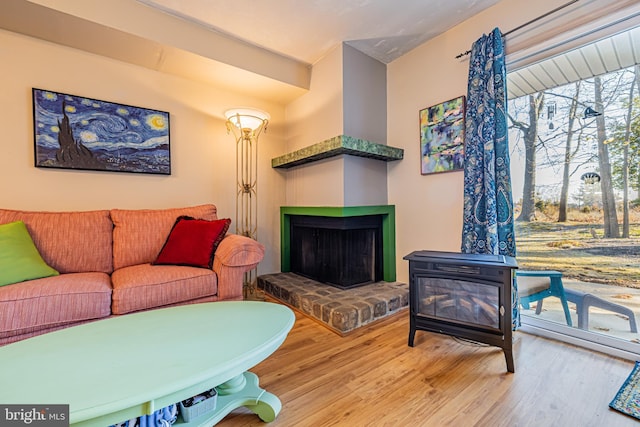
341,144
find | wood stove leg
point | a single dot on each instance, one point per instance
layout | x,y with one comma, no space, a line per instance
508,355
412,331
508,347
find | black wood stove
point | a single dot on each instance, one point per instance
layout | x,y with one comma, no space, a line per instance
463,295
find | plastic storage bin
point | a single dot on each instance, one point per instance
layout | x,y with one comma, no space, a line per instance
198,405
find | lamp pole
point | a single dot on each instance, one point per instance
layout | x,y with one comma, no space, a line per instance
247,124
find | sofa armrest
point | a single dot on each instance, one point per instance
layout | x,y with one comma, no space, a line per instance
234,256
239,251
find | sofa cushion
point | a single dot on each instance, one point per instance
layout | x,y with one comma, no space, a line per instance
19,257
193,242
69,242
144,286
139,235
52,301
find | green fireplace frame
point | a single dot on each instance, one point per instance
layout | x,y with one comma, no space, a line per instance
388,213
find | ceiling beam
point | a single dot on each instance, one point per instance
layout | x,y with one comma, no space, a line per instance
155,40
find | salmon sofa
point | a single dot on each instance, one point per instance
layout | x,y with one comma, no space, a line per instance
105,260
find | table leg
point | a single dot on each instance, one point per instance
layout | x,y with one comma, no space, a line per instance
243,390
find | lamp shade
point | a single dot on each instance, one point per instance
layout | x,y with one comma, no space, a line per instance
247,118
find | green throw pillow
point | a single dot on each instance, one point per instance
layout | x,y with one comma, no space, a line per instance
19,257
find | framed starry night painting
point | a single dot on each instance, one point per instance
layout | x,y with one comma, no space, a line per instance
73,132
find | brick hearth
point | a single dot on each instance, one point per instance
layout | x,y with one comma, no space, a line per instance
342,310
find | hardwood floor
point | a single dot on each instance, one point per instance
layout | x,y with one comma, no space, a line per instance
373,378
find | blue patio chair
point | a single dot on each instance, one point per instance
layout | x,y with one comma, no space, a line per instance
535,286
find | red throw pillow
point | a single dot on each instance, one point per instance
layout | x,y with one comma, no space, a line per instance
193,242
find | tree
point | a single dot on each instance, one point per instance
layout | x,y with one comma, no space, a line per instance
625,147
606,184
530,134
631,143
563,146
568,155
570,144
625,161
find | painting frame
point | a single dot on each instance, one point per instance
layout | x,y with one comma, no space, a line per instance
442,136
81,133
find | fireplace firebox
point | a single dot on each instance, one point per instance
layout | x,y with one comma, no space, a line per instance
463,295
341,251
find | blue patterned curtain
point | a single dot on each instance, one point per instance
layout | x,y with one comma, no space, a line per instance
488,203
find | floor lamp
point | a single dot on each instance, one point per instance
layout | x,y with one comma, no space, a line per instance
247,124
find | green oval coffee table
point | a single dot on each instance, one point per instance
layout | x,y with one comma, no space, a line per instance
119,368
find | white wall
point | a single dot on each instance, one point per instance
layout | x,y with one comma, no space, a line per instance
365,117
318,114
347,97
314,117
429,207
365,182
202,154
365,96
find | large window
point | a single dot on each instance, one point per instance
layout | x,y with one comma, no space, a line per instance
575,157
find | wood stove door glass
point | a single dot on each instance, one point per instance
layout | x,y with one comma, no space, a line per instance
459,301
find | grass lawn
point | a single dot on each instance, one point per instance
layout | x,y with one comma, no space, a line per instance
577,249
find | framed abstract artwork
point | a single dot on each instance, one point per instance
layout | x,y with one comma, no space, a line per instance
73,132
442,137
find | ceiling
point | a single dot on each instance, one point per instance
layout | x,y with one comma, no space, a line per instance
266,48
618,51
306,30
